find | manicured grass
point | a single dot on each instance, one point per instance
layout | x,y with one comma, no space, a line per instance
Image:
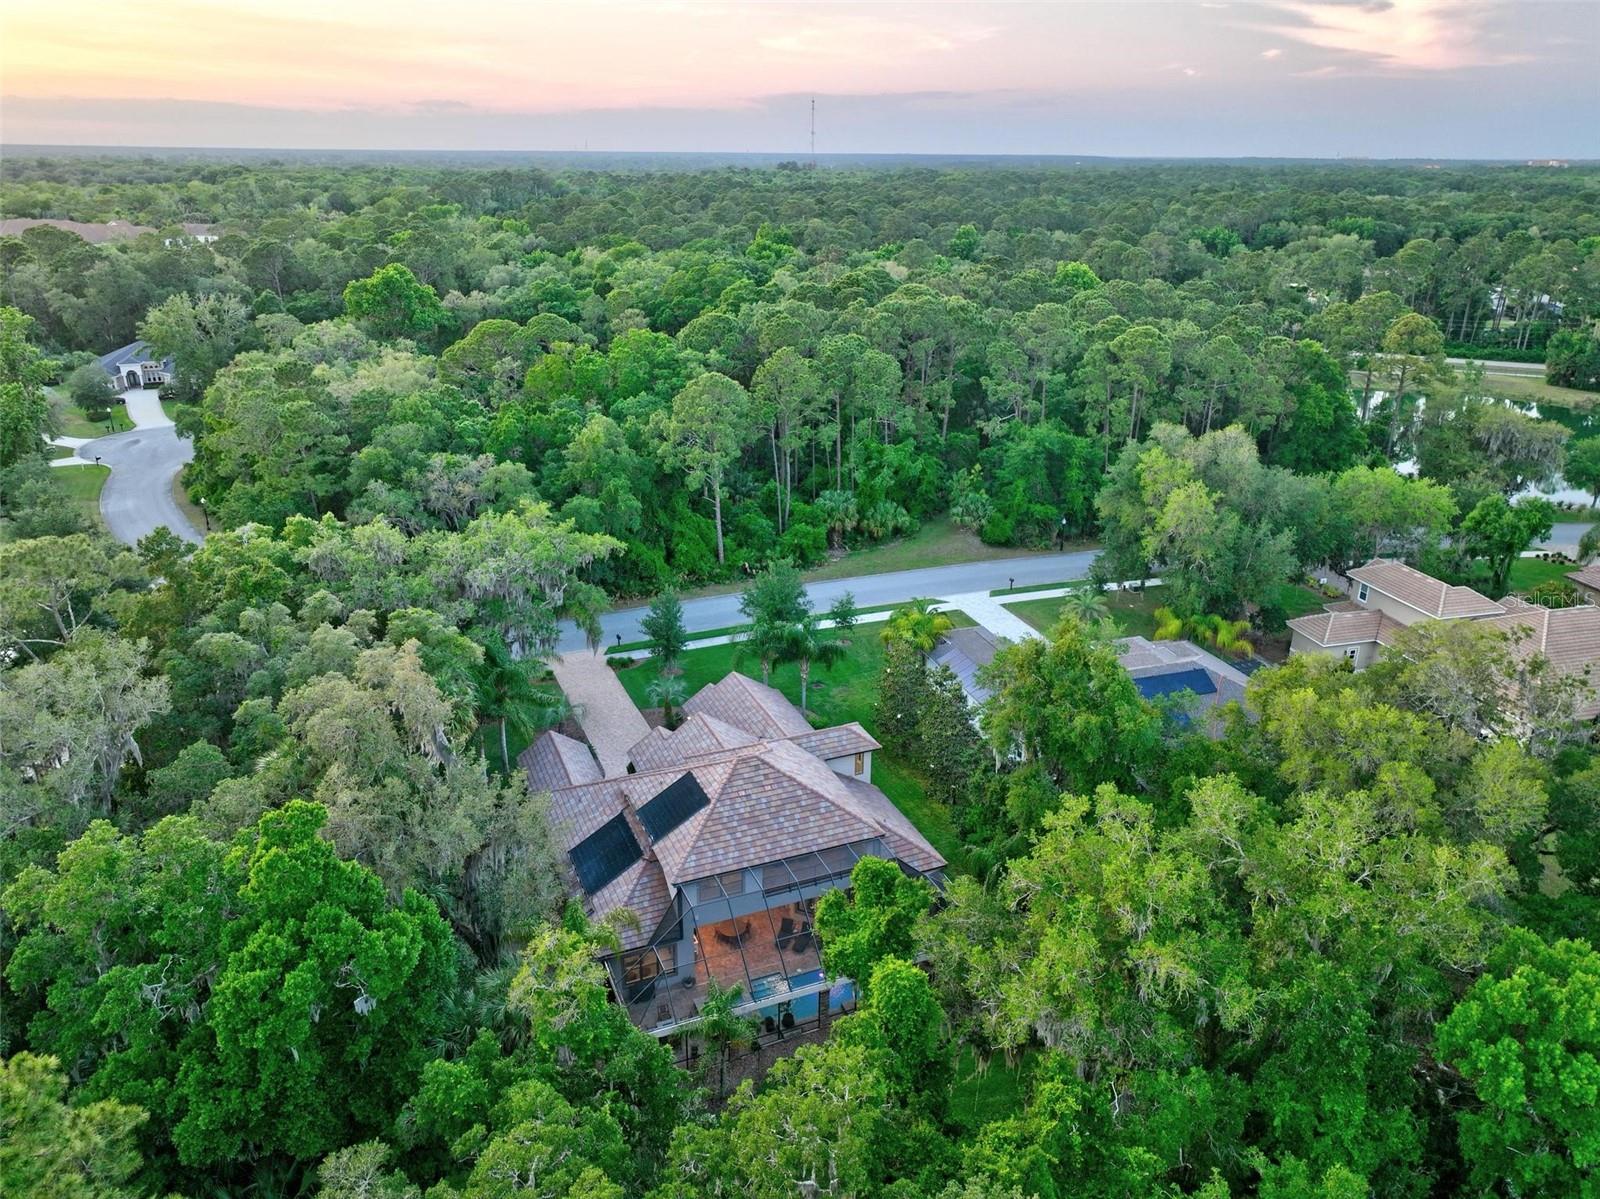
847,692
1528,573
937,543
1024,590
977,1097
1132,611
73,423
1296,600
958,618
82,485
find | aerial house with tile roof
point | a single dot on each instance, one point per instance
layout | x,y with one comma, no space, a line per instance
718,843
1385,597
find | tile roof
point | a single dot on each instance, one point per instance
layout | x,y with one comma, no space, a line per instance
1333,628
1586,576
767,799
1423,592
759,710
1568,637
556,761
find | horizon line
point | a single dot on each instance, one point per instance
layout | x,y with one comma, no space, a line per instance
129,147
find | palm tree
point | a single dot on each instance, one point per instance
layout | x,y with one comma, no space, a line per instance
766,640
507,695
917,625
667,691
1087,604
805,642
720,1028
1222,634
1169,625
1228,636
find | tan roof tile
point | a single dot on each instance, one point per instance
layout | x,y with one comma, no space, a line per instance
556,761
1423,592
767,799
759,710
1332,629
1586,576
1568,637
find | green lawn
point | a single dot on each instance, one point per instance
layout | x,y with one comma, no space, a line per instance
847,692
1528,573
957,618
82,485
1296,600
1133,611
937,543
73,423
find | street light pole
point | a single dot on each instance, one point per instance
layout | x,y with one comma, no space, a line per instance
205,514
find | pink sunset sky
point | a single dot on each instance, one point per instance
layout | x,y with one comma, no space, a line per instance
1287,77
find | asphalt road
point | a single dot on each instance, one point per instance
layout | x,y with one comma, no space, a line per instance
137,498
934,582
1526,369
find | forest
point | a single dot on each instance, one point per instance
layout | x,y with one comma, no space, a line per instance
279,921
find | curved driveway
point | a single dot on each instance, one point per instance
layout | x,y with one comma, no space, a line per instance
144,461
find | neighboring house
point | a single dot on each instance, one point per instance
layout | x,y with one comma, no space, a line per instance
1164,668
1385,597
718,844
1568,637
965,652
133,366
1587,580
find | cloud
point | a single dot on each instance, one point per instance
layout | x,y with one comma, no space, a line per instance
1402,35
1275,52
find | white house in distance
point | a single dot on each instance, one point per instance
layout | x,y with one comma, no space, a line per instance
133,366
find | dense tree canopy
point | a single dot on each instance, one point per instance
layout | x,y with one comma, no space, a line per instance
282,917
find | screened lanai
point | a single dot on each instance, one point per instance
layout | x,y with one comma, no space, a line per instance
751,929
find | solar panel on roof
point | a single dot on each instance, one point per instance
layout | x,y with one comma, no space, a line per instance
672,807
605,853
1195,680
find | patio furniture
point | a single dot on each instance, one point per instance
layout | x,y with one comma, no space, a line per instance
663,1013
785,928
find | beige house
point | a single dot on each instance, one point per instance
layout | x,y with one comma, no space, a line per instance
1385,597
718,843
1587,581
1568,637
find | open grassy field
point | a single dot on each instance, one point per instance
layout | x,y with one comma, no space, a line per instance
847,692
82,485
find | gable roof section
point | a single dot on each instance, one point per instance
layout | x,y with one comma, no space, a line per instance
1586,576
759,710
763,800
774,805
1568,637
700,736
556,761
1335,629
1423,592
